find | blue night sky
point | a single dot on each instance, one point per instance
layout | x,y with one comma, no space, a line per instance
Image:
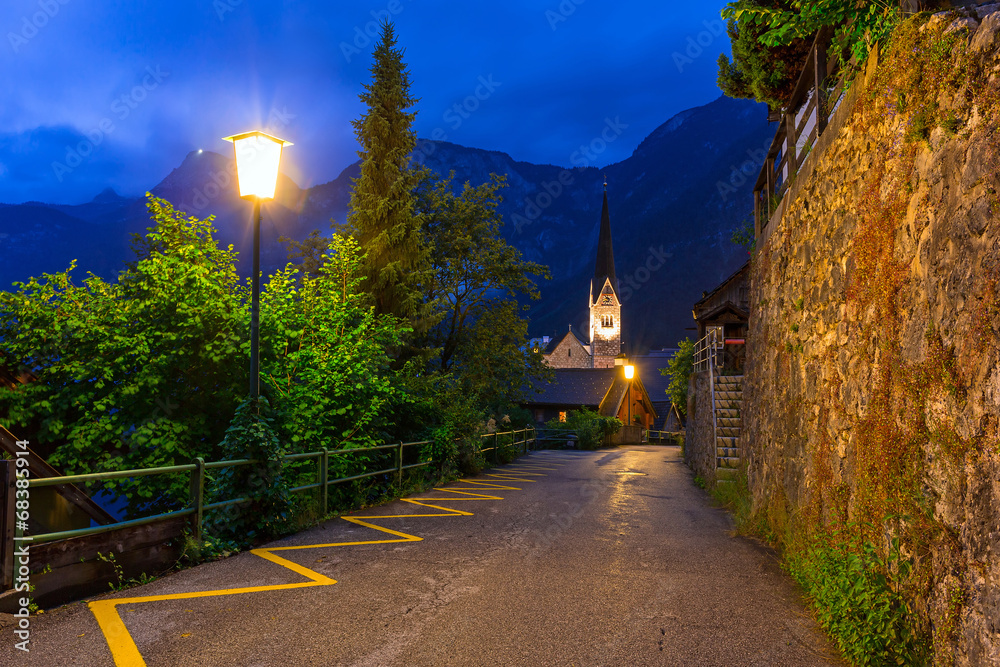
100,93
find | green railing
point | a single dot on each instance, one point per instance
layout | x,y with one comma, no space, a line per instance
196,501
661,435
503,439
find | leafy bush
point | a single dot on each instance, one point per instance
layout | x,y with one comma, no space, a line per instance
134,373
679,369
591,428
271,507
855,601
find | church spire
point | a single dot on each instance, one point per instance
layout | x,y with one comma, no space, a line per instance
605,265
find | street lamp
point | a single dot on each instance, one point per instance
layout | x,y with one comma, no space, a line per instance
257,158
629,373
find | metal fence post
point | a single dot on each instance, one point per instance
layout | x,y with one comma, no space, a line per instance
324,475
7,523
496,448
399,467
198,497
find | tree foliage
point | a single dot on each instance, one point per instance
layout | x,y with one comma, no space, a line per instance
472,265
679,370
771,39
766,73
324,353
133,373
382,211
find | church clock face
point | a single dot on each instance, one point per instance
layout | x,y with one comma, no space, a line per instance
606,300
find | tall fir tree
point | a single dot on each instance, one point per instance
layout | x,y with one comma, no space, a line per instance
382,214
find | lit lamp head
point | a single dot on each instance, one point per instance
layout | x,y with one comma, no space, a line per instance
629,371
257,158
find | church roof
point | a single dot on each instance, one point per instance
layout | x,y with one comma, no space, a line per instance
604,268
600,389
575,387
554,342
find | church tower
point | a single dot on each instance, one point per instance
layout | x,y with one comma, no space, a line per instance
605,304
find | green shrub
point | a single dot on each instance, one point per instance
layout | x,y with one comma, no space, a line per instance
856,602
265,483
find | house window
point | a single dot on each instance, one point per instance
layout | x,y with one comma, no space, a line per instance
607,321
562,416
569,352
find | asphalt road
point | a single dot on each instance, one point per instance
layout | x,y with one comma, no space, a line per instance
585,558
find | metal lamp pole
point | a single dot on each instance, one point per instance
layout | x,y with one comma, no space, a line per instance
255,307
258,155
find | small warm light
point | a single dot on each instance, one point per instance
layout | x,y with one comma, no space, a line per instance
199,151
629,372
257,158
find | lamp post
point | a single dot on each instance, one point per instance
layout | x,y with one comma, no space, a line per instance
629,374
257,158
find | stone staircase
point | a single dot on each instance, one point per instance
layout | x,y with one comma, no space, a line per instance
728,422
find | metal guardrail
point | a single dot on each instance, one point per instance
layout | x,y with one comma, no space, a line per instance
707,351
498,445
196,501
660,436
521,438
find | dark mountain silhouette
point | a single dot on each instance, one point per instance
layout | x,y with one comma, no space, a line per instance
670,218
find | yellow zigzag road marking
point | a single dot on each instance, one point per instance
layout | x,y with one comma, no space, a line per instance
123,648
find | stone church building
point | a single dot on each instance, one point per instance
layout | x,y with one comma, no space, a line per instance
591,373
605,341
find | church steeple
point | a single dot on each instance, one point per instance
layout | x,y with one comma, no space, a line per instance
604,268
605,303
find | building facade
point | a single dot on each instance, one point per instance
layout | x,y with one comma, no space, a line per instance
605,307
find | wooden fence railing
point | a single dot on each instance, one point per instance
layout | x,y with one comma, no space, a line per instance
820,88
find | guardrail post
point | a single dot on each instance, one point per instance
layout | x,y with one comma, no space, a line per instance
7,494
819,82
496,448
197,497
399,468
324,476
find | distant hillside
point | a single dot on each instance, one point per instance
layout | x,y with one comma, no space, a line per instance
669,220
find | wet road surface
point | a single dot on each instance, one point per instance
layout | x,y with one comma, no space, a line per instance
560,558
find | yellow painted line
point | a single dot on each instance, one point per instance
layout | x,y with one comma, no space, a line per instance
510,478
123,648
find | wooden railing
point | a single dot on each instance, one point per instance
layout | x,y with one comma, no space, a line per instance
802,122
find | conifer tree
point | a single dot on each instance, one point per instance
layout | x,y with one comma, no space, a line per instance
382,214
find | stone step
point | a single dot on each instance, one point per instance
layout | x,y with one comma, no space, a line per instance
727,462
729,395
727,442
729,379
727,413
729,422
726,473
727,452
728,432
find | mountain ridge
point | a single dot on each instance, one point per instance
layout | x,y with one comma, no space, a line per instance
670,219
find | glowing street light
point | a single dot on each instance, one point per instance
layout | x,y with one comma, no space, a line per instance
257,157
629,374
